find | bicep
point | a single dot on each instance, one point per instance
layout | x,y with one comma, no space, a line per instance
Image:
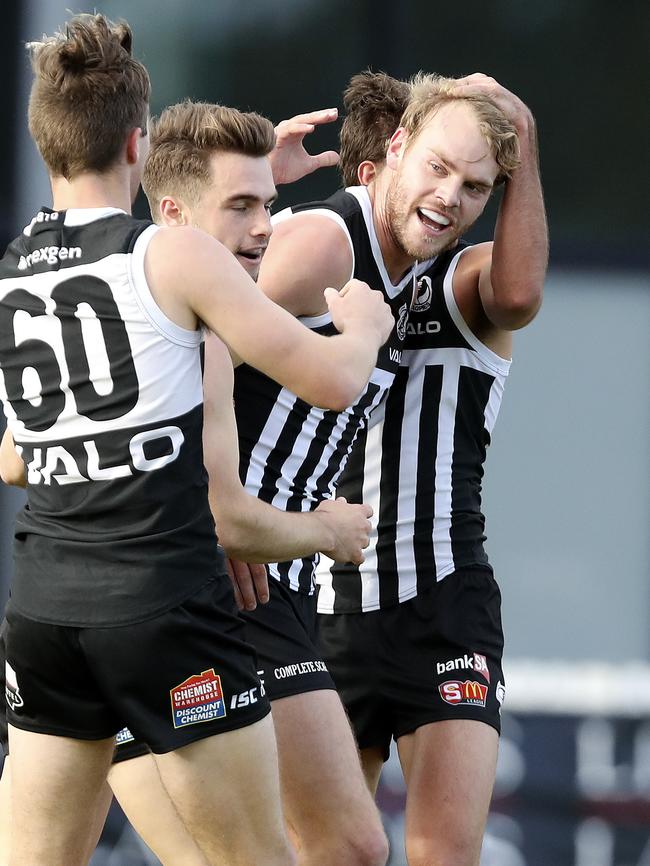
306,254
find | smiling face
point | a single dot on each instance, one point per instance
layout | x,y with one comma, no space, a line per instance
235,207
442,181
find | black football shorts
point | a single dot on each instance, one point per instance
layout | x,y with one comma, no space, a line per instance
432,658
171,680
284,634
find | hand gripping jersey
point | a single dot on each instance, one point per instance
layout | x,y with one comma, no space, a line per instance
420,465
103,396
292,453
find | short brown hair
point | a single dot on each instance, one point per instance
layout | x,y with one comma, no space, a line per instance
88,94
429,92
374,103
185,136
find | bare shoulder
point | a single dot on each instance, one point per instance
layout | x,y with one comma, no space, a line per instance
307,253
179,261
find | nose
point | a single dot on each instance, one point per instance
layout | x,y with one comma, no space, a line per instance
448,191
262,227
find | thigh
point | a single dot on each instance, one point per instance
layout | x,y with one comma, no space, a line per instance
139,790
226,790
183,676
323,786
57,790
283,632
449,769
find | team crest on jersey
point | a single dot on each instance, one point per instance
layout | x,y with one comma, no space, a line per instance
423,295
12,692
469,693
198,699
124,736
402,319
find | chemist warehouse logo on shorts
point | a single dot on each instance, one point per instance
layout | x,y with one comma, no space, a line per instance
198,699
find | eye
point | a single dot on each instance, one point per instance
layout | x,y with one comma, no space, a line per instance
268,208
437,168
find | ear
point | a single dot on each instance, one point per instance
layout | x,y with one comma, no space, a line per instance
396,147
133,145
366,172
173,212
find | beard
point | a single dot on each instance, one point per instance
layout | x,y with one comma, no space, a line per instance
399,215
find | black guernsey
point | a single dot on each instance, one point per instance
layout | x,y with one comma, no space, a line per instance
103,396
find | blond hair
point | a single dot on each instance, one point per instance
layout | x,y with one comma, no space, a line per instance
185,136
429,92
88,94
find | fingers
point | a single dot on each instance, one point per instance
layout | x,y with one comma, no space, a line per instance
326,159
230,568
261,582
322,115
250,583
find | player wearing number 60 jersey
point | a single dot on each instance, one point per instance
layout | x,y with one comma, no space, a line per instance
121,610
104,399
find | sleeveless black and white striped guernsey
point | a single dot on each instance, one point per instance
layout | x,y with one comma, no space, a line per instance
292,453
420,466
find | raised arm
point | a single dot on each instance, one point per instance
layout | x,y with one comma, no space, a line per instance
191,275
511,275
248,528
289,159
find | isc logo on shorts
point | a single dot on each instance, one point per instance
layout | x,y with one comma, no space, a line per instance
198,699
456,692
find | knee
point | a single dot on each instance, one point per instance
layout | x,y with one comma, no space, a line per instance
368,847
424,851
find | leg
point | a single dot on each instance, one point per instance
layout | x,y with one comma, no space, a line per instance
227,792
5,812
326,801
56,790
449,768
372,762
140,792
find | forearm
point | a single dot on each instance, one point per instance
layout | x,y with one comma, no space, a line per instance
255,531
520,252
337,370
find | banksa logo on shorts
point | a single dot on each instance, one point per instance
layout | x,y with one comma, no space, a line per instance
198,699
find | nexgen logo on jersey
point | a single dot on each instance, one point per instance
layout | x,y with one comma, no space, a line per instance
455,692
48,255
475,662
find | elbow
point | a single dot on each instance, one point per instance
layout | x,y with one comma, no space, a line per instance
340,392
14,478
519,308
231,537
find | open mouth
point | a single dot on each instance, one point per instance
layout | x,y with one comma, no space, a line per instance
433,221
251,255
